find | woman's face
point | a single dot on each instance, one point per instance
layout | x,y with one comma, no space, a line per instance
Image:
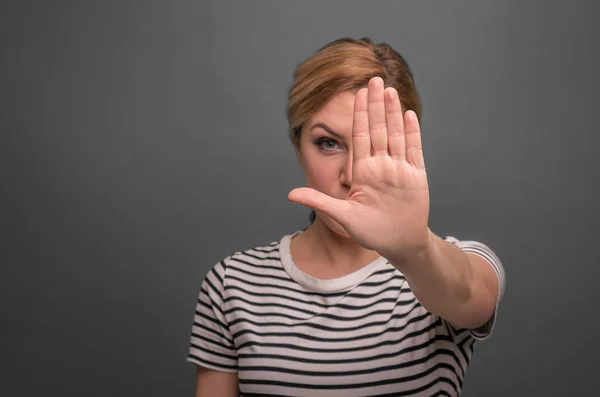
325,151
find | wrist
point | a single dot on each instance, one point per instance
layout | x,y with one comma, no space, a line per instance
404,259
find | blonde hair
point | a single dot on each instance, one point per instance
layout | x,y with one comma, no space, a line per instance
342,65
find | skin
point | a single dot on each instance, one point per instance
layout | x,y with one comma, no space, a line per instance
210,383
366,179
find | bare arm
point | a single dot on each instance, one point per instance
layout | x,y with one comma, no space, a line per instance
457,286
211,383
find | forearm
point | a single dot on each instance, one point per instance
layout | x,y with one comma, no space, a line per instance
444,281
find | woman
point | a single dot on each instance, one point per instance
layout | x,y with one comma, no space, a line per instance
367,301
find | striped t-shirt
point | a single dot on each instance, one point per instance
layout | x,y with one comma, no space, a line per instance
286,333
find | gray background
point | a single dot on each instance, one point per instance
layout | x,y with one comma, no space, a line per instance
144,141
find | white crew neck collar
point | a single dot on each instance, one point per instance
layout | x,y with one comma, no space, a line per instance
323,285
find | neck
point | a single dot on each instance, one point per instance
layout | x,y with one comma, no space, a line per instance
340,252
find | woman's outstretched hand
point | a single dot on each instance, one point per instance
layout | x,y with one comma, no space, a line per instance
387,207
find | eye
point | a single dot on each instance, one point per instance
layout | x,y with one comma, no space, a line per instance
327,144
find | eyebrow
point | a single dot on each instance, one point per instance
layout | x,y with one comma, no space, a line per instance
329,130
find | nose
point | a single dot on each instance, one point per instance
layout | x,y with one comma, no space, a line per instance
346,175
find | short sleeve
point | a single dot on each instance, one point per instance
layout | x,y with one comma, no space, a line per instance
477,248
211,343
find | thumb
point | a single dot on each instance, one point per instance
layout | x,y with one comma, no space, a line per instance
337,209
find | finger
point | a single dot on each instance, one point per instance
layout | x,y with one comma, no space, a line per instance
414,148
361,140
395,124
338,210
377,123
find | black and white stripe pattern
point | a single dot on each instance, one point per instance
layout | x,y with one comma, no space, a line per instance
365,334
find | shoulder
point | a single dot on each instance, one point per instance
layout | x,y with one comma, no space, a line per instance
250,260
478,248
486,252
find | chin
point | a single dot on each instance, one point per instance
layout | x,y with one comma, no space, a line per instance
333,225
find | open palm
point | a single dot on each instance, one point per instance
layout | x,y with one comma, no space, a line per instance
387,208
